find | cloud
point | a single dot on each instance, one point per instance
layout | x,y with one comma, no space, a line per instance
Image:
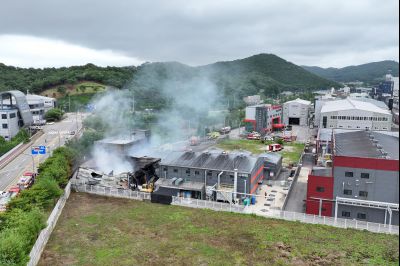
29,51
202,32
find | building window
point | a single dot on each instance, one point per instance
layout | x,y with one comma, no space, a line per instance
175,170
348,174
196,172
320,189
165,169
5,125
188,171
209,173
345,214
364,175
361,216
347,192
12,115
3,116
363,193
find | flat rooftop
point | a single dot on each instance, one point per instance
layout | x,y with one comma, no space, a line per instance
322,171
351,104
367,144
185,185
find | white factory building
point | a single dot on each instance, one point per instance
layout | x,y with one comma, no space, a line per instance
18,110
296,112
355,114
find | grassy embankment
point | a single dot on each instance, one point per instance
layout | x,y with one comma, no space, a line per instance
96,230
291,152
72,97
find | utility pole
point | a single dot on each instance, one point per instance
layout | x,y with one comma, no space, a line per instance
69,103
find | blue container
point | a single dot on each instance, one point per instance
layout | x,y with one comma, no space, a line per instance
253,200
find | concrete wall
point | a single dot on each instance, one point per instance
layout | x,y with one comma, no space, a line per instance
372,215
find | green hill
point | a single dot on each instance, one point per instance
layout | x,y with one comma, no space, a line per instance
38,80
370,73
264,73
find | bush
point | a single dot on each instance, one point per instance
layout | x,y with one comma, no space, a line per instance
6,146
24,218
54,114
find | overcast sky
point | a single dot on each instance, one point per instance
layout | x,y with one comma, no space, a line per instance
45,33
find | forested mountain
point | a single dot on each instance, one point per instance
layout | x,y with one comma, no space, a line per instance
37,80
264,72
370,73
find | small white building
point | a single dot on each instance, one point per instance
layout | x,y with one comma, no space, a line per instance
296,112
355,114
9,123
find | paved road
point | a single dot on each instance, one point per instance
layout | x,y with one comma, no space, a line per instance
299,191
54,136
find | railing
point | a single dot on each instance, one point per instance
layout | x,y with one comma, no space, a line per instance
325,220
110,192
204,204
37,249
289,216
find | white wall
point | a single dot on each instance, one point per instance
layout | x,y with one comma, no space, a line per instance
12,124
353,123
296,110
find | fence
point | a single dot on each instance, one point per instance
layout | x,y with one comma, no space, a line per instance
340,222
110,192
44,235
212,205
289,216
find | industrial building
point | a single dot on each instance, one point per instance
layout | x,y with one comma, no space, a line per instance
19,110
216,175
123,144
15,113
296,112
263,118
355,114
363,182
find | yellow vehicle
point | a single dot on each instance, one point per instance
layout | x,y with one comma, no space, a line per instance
149,186
214,135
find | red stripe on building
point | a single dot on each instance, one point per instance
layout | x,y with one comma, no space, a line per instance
256,174
366,163
254,188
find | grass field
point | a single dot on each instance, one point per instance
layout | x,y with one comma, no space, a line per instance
96,230
291,152
86,87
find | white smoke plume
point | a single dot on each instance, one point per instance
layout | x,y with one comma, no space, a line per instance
188,101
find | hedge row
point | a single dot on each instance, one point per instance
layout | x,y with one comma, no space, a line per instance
21,224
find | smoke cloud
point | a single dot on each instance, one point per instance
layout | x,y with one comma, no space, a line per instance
170,102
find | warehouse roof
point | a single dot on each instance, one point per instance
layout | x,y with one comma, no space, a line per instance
351,104
300,101
210,160
367,144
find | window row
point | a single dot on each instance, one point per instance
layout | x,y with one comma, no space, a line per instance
4,116
366,118
361,193
351,174
360,215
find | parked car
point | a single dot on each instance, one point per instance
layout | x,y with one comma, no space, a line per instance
254,136
274,147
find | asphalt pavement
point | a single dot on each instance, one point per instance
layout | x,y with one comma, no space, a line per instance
55,135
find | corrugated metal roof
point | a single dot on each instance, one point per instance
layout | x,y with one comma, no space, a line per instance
300,101
351,104
210,160
360,144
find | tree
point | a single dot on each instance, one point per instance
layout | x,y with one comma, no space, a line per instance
54,114
61,90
